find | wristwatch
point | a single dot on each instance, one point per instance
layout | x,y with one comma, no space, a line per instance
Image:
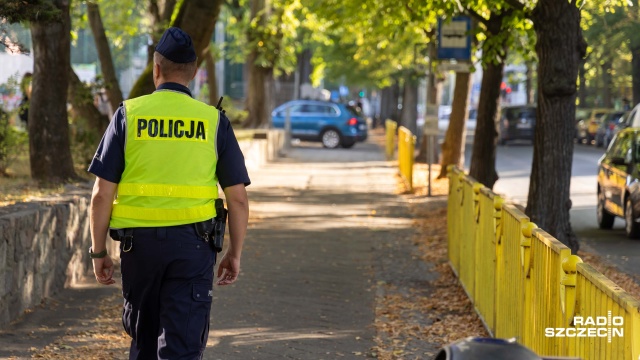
99,255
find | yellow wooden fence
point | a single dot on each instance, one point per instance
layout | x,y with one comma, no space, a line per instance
524,283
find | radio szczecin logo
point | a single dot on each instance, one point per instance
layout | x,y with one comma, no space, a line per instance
591,326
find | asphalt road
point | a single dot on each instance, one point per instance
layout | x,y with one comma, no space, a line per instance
513,163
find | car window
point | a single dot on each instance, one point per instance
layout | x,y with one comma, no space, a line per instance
353,111
528,113
615,117
598,115
329,110
316,109
581,114
296,108
624,118
309,108
629,120
622,147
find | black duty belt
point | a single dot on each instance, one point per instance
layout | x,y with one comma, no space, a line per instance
205,229
123,235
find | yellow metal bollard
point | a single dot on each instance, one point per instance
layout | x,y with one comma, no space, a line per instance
525,255
406,147
390,127
525,258
568,300
454,217
568,283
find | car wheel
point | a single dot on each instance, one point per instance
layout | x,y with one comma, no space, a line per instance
605,218
331,138
589,139
631,226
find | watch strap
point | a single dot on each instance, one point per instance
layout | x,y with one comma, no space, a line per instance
99,255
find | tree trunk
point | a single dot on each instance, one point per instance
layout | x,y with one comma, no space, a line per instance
257,91
198,19
582,88
212,82
385,94
49,148
389,102
635,75
456,135
160,13
81,99
483,158
104,54
560,48
304,66
607,83
260,99
409,114
531,93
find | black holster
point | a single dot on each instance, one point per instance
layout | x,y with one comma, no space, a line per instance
212,231
123,235
219,226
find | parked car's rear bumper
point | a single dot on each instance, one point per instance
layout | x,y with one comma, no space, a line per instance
518,134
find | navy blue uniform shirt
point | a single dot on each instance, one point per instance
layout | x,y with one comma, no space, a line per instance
108,162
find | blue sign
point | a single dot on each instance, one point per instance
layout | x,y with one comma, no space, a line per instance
454,41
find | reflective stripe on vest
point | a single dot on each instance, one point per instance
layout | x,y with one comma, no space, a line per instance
170,162
195,192
140,213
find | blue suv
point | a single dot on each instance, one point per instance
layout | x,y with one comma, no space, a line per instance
333,124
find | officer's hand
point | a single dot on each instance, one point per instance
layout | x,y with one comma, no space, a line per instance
228,270
103,269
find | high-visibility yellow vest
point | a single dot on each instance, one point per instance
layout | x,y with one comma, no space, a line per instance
170,159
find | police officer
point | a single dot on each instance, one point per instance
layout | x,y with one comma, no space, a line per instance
157,170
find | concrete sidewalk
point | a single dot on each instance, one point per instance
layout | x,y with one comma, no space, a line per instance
316,254
314,258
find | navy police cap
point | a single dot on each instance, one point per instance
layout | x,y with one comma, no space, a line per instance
176,45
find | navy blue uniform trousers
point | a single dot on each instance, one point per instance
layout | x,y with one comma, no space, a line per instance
167,284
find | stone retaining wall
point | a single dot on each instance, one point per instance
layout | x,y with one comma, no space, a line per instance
44,244
43,248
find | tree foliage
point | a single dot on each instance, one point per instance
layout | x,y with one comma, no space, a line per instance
369,43
14,11
611,34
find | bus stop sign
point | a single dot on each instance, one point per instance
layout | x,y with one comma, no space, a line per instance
454,41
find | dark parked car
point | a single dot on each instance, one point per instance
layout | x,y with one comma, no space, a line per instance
517,123
618,185
606,129
333,124
623,123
